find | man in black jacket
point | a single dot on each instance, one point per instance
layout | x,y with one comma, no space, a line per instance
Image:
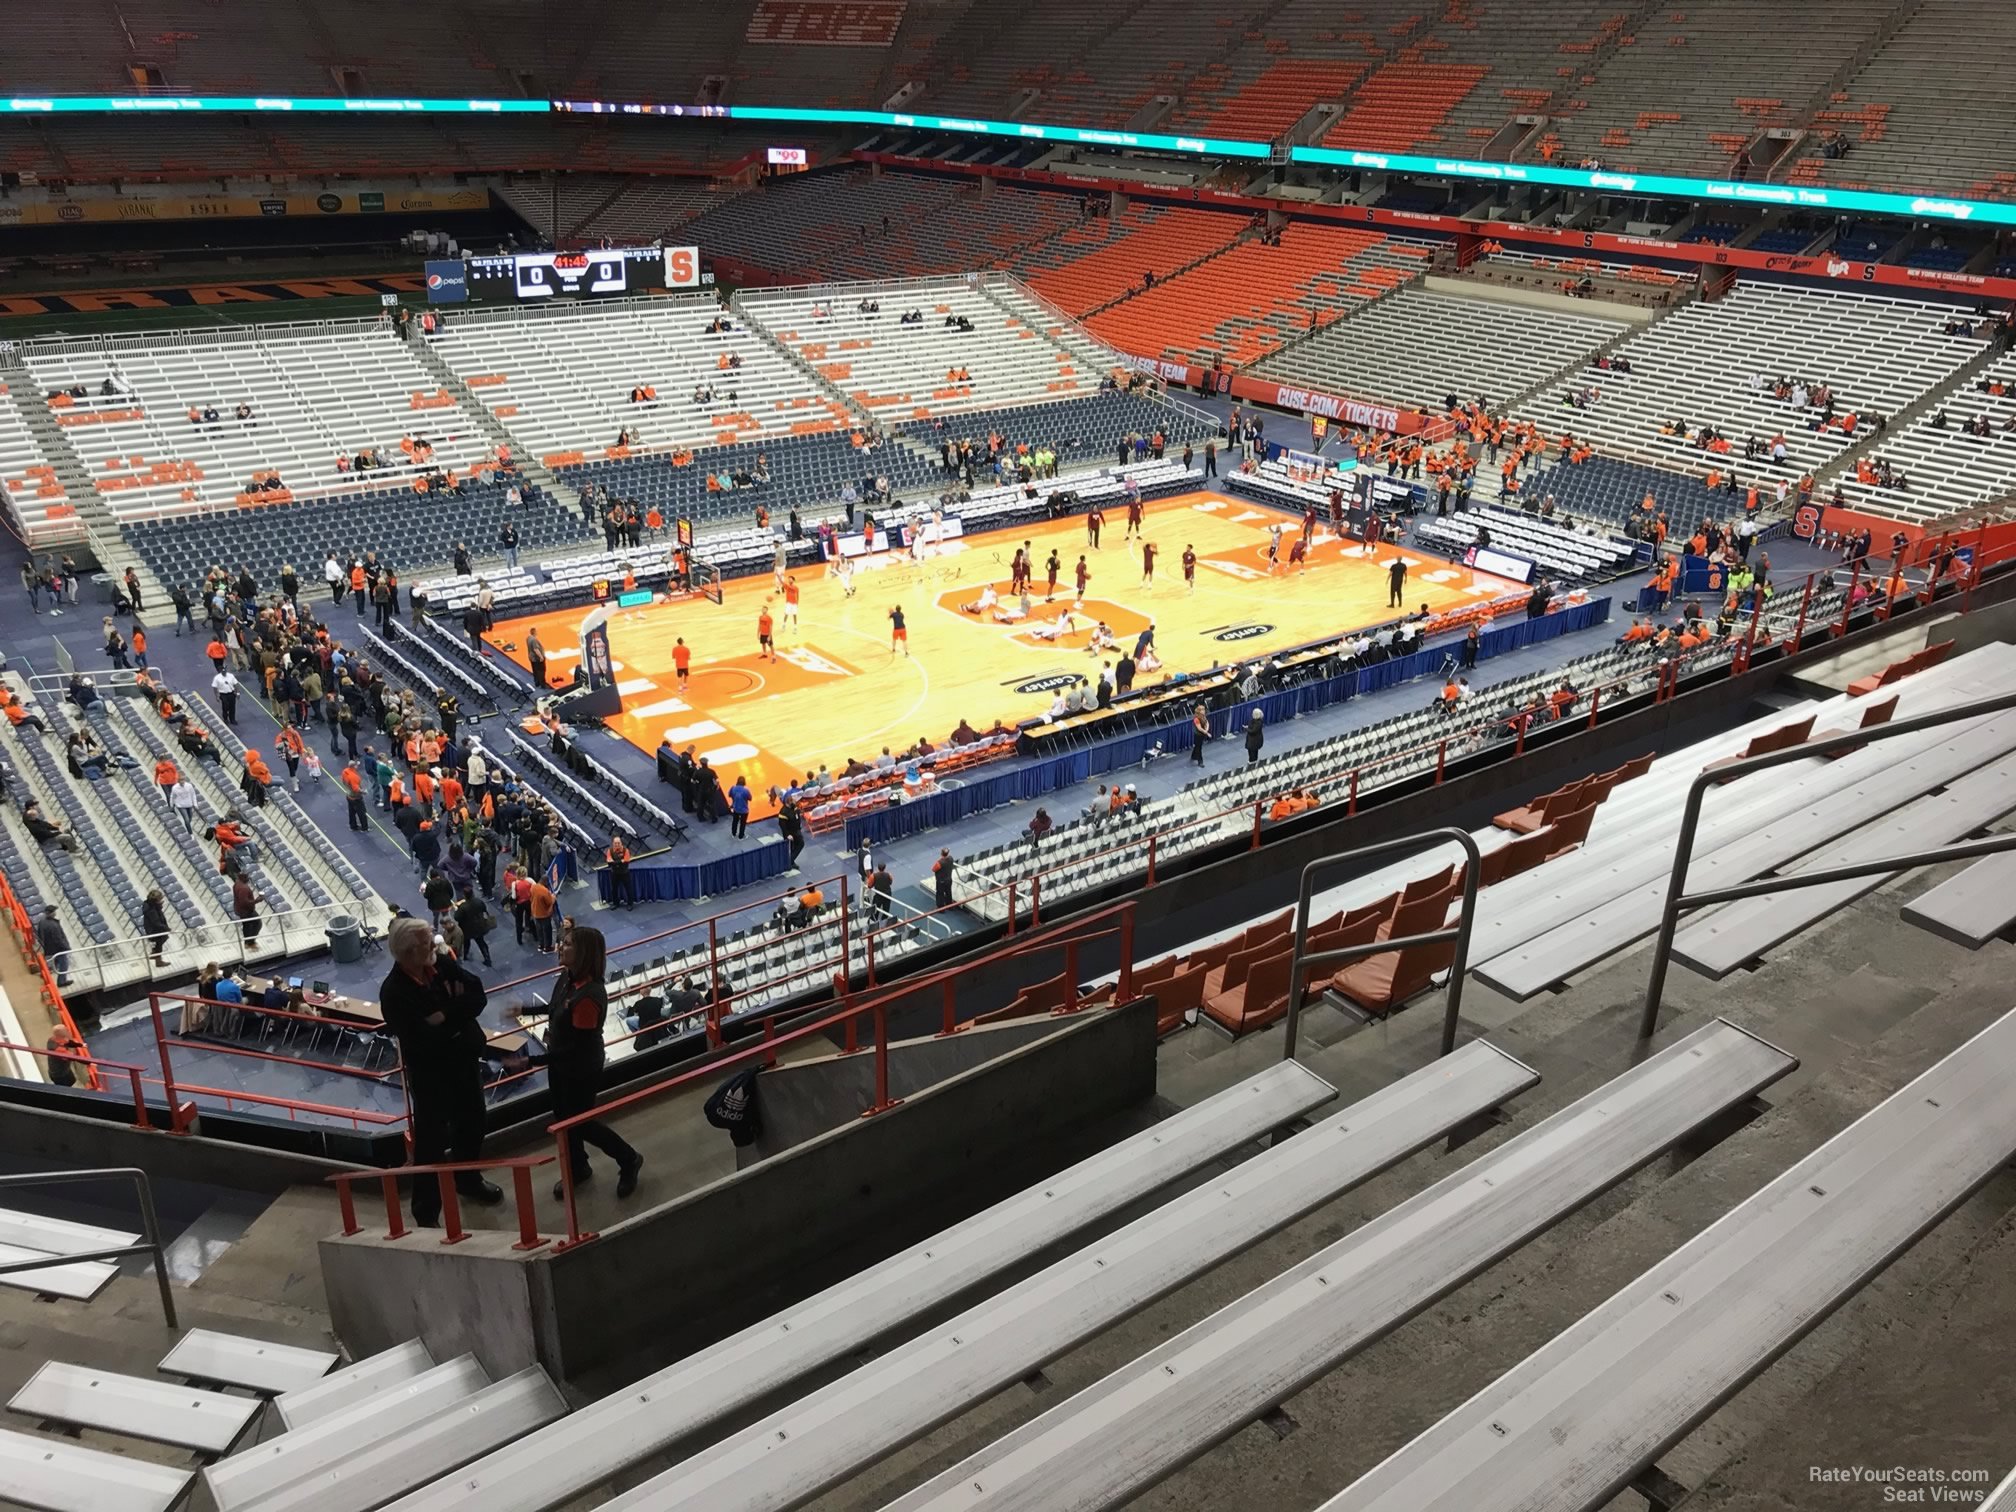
432,1004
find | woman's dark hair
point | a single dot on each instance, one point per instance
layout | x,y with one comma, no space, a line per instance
588,953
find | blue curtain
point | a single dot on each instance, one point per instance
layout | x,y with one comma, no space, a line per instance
753,863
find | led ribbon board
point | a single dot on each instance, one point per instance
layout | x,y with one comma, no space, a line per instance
1787,196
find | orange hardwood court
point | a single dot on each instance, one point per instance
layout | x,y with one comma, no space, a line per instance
836,689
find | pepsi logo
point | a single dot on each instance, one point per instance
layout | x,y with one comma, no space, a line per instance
434,280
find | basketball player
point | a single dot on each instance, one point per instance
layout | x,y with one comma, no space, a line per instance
843,569
1371,533
791,603
1018,572
1273,548
899,633
765,646
777,562
1133,517
1147,564
1189,569
1298,554
1052,566
1094,519
682,660
1309,523
1084,577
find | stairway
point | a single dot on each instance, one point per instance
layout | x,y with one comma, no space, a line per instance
523,457
97,526
818,381
1844,461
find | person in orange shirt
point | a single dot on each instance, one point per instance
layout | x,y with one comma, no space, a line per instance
682,660
258,776
790,603
423,785
395,794
450,788
353,796
765,646
357,584
165,776
291,747
542,904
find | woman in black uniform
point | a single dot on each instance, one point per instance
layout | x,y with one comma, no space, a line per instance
574,1053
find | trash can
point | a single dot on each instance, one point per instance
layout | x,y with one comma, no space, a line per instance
346,940
105,587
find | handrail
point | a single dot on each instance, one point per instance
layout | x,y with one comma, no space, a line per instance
150,1227
86,1059
1459,934
1679,899
444,1173
875,1006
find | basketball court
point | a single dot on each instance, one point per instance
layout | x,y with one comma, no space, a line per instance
837,691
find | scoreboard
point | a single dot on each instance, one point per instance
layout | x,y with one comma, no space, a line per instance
533,277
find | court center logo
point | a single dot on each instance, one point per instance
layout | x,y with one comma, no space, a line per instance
1240,632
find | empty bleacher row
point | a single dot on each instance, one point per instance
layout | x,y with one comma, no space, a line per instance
1614,491
561,379
835,224
1899,112
1104,260
1713,364
1574,555
926,367
1421,347
312,396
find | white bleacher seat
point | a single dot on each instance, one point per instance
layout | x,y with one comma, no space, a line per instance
203,1354
53,1476
29,1236
560,379
206,1421
1724,939
1705,364
314,396
548,1468
252,1474
900,371
426,1447
1419,347
353,1384
1947,469
1128,1430
1771,818
1575,1422
1972,908
787,1458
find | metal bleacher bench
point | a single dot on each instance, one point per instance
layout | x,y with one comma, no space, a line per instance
231,1360
54,1476
26,1236
658,1412
1972,908
791,1456
1147,1419
160,1411
313,1448
353,1384
1582,1417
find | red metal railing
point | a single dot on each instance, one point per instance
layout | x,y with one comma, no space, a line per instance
52,995
83,1058
875,1007
452,1232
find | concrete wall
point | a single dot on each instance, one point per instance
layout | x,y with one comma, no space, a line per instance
48,1137
682,1275
805,1099
472,1297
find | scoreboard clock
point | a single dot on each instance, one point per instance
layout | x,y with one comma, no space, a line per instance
535,277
